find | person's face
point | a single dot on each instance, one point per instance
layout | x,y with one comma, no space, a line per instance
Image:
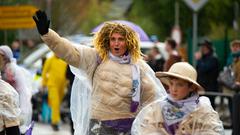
204,49
2,62
15,45
168,47
154,52
179,89
235,48
117,44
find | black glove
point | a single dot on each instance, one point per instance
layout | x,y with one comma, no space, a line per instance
42,22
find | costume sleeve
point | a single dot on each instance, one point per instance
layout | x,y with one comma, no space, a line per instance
9,105
212,125
25,94
208,124
205,121
75,55
149,121
152,88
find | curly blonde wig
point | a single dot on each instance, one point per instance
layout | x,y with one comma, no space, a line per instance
102,40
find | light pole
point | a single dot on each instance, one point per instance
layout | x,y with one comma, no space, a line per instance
176,31
195,36
235,21
195,5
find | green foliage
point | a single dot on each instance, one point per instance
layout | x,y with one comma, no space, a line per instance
157,17
73,16
96,14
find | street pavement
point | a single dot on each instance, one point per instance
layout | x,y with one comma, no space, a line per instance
45,129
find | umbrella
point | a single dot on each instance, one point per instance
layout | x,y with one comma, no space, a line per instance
136,28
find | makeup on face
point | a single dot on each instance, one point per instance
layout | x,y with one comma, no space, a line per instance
118,45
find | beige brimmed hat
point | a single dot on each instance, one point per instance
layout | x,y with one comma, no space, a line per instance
181,70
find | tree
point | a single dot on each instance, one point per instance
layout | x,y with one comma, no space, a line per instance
157,17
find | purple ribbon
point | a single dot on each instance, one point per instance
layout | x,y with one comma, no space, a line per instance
134,106
121,125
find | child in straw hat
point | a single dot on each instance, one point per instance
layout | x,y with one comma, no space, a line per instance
183,111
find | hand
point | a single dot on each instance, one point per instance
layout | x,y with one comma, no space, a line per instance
43,89
237,83
198,55
42,22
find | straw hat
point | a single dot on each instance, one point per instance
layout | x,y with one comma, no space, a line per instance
181,70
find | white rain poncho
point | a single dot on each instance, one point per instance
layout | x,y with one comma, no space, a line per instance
21,80
101,91
201,121
9,106
81,97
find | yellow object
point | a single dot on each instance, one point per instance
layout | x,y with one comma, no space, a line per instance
15,17
54,78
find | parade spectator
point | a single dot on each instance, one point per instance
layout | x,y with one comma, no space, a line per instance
235,47
207,68
173,55
54,80
112,81
236,60
235,50
15,46
10,111
156,60
20,79
233,64
183,111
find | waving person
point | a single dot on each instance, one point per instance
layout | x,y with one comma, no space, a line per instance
112,81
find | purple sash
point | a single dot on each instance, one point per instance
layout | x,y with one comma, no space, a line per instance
121,125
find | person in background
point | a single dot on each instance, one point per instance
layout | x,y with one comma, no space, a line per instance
15,46
183,111
21,80
37,100
207,68
235,47
233,62
156,60
54,80
235,51
112,82
9,106
173,55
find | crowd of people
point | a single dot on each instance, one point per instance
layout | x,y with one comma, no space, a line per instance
113,90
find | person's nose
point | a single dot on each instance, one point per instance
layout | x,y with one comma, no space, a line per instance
174,89
116,42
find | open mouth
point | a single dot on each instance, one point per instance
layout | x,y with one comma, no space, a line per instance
116,49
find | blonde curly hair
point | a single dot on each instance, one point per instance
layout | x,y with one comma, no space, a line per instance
102,40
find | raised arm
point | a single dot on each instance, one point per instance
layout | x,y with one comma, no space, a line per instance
60,46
